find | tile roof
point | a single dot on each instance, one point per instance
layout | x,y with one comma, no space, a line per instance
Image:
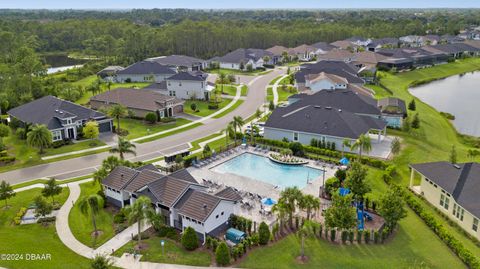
230,194
147,67
167,190
119,177
49,110
368,57
139,99
462,181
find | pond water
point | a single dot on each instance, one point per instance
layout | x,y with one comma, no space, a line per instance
59,63
458,95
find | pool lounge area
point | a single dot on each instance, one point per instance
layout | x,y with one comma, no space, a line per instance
261,168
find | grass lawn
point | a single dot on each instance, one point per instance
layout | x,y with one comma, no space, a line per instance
138,128
43,181
87,81
87,144
414,246
202,106
275,80
153,138
269,94
82,226
196,143
34,238
285,80
174,253
379,91
434,140
230,109
284,94
227,89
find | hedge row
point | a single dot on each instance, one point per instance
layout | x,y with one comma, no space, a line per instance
6,160
451,241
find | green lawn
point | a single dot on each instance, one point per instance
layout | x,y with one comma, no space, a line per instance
227,89
138,128
34,238
379,91
230,109
285,80
81,225
269,94
87,81
413,246
275,80
44,181
87,144
282,94
156,137
173,253
202,106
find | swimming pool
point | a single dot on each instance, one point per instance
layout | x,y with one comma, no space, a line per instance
261,168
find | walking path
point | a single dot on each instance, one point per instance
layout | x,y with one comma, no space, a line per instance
275,89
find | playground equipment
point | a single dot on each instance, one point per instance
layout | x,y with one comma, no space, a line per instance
361,214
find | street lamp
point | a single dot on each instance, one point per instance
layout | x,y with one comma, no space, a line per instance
323,181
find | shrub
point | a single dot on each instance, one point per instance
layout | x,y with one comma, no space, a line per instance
333,234
344,236
212,106
341,175
151,118
46,219
263,233
7,159
255,239
189,239
367,236
222,254
359,236
145,235
296,148
384,235
193,106
376,237
167,119
351,236
331,185
119,218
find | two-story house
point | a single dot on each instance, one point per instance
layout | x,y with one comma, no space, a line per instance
145,71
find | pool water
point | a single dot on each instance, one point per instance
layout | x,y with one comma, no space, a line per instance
263,169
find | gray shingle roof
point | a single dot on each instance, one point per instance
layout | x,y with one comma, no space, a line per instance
147,67
392,105
338,68
322,120
461,181
197,205
168,190
49,110
244,55
142,178
229,194
177,60
323,46
188,76
119,177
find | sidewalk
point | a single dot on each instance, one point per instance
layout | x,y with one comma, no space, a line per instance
275,91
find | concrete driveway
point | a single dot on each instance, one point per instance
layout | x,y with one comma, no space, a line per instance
85,165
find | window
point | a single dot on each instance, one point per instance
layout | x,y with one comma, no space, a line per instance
444,201
458,212
56,135
222,213
216,216
172,93
295,136
475,224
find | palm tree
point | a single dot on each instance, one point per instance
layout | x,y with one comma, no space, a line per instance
289,198
123,146
255,130
237,123
228,130
91,205
39,137
363,143
307,230
309,203
101,262
221,79
118,111
281,212
345,143
139,212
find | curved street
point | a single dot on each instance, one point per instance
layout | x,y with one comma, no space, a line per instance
87,164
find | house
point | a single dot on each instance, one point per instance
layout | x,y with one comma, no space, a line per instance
445,39
177,197
181,62
325,81
62,118
140,102
185,85
278,53
338,68
431,40
345,45
305,53
359,41
413,41
240,59
109,73
388,42
454,50
328,116
367,59
145,71
453,189
322,47
406,58
395,63
393,111
473,34
337,55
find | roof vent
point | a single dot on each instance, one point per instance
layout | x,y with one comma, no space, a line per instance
339,110
328,107
121,175
205,206
317,107
307,116
456,166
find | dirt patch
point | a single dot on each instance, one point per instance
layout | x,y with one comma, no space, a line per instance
96,234
302,260
141,246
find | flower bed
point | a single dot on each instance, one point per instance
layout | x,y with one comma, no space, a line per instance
286,159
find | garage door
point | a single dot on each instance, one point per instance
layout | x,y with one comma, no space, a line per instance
104,127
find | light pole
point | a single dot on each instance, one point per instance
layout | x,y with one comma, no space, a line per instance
323,181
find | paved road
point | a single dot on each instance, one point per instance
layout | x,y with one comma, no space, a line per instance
88,164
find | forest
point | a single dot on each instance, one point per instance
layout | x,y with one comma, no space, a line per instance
123,37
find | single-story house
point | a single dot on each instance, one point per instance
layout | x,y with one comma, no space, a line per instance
178,197
395,63
305,53
345,45
181,62
239,59
367,59
337,55
140,102
325,81
145,71
453,189
329,116
393,111
109,73
278,53
338,68
322,47
471,34
454,50
62,118
412,41
387,42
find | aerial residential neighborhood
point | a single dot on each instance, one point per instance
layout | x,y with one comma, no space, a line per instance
243,135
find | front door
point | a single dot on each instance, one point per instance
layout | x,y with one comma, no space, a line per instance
71,133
